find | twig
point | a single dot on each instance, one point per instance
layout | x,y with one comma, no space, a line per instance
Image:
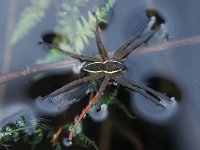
81,116
66,64
168,45
35,69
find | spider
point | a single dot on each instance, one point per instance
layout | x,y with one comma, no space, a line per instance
107,69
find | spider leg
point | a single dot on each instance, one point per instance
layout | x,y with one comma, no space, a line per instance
70,93
76,56
149,93
131,40
102,51
126,52
146,88
96,97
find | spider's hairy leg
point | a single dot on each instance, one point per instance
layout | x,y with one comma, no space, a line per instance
151,91
70,93
131,40
102,51
76,56
126,52
154,96
95,98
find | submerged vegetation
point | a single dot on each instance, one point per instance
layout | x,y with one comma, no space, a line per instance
23,128
113,100
34,131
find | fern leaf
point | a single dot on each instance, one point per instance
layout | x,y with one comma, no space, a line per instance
101,12
53,56
112,99
77,30
57,145
30,17
83,28
86,141
123,108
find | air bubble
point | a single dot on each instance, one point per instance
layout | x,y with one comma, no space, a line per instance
76,68
67,142
75,100
151,22
99,115
8,129
70,127
84,116
89,91
172,98
76,118
115,83
63,13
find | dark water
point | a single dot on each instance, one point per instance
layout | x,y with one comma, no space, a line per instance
174,71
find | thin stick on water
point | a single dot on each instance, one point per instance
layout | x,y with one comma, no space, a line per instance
65,64
169,45
35,69
70,137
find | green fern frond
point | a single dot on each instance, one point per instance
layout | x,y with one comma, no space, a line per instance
77,29
53,56
42,124
30,17
35,139
85,29
57,145
101,12
123,108
21,130
86,141
112,99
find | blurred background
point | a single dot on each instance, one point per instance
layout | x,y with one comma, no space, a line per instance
168,63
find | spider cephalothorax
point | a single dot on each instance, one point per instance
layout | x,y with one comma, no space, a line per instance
106,67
